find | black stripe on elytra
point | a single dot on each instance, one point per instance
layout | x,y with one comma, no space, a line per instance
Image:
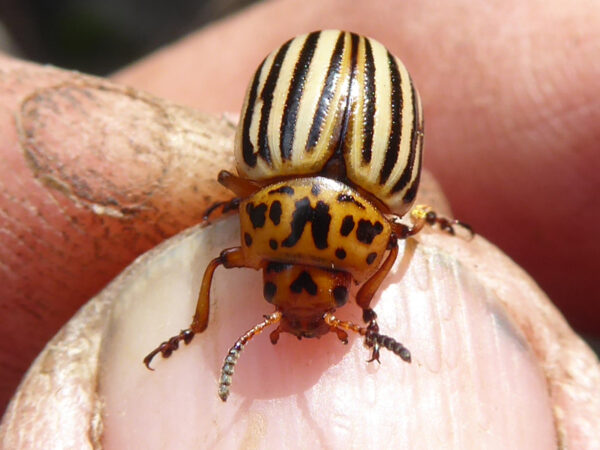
257,214
267,97
411,192
294,95
348,118
393,148
275,212
348,112
369,103
347,226
288,190
273,244
304,213
304,281
366,231
247,239
336,163
410,163
247,147
347,198
327,93
340,253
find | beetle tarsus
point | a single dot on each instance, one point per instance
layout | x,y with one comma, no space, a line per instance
446,224
226,206
388,343
370,341
168,347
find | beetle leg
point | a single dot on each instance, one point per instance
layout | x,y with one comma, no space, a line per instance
241,187
226,206
274,336
372,337
446,224
229,258
236,350
341,334
367,291
422,215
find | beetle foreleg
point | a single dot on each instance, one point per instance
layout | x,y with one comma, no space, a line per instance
236,350
423,215
369,288
229,258
241,187
446,224
168,347
226,206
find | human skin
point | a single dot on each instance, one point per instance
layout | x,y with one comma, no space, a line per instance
493,95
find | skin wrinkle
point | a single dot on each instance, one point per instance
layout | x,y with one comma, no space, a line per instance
29,232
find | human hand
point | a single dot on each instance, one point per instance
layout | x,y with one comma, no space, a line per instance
451,122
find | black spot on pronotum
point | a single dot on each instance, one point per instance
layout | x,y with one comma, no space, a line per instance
273,244
304,213
247,239
301,215
347,198
347,226
340,253
288,190
320,224
371,257
257,214
340,295
366,231
275,212
277,267
315,189
269,291
304,281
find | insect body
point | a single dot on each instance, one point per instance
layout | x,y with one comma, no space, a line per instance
328,153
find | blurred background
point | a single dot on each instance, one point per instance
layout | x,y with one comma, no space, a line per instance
100,36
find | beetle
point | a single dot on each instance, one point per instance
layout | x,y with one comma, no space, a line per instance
328,153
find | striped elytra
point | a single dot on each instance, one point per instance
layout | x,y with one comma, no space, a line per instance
334,96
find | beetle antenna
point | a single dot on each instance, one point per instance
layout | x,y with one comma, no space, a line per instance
236,350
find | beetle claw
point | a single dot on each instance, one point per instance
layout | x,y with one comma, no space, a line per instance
168,347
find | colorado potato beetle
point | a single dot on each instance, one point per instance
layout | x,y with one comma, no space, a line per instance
328,153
